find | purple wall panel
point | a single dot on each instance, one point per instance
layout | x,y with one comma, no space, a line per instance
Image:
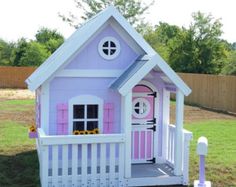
89,57
63,89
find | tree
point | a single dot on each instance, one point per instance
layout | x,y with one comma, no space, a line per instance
20,50
162,37
35,54
132,10
6,51
199,48
51,39
230,66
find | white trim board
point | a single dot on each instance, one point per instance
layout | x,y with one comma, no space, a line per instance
89,73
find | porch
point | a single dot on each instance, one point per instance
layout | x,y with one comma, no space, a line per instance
99,160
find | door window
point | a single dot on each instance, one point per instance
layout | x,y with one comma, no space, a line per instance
141,107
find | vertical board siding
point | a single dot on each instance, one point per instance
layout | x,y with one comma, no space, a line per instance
212,91
14,77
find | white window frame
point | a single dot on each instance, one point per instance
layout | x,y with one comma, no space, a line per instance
117,48
86,100
142,100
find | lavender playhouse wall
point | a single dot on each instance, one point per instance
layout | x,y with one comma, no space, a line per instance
63,89
89,57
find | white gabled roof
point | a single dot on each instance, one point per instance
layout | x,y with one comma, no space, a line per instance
129,78
69,48
140,68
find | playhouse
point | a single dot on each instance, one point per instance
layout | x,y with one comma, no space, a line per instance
102,110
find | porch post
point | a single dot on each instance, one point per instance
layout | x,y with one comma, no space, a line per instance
126,112
165,122
179,133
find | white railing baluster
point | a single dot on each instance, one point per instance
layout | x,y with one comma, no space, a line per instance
121,164
55,166
64,165
112,164
44,166
84,164
94,165
74,165
103,164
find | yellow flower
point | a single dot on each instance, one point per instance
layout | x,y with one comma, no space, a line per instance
81,132
96,131
76,132
32,128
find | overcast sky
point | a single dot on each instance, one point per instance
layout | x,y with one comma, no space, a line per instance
22,18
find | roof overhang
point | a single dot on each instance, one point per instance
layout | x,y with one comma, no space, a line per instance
137,71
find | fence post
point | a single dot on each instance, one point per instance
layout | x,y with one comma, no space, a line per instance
202,145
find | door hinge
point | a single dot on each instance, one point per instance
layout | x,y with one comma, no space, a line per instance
154,94
153,128
153,121
153,160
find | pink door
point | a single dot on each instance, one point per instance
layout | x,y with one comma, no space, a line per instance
143,124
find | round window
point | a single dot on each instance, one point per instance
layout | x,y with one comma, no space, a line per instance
141,107
109,48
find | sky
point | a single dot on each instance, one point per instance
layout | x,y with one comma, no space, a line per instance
23,18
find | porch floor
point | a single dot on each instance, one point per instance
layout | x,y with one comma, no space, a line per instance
151,170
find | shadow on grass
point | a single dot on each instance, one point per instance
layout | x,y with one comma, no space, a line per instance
19,170
22,170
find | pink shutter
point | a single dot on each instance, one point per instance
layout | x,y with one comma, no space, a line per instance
62,119
108,118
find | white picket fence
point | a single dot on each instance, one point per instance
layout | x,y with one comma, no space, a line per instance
187,136
91,160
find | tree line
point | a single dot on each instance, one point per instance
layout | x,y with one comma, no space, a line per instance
30,52
198,48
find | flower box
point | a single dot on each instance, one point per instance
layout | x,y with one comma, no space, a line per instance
33,135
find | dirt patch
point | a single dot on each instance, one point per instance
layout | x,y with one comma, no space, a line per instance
16,94
195,114
191,113
25,117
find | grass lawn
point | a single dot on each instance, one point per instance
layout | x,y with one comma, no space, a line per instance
221,160
19,162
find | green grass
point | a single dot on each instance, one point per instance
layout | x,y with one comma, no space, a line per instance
16,105
13,135
221,158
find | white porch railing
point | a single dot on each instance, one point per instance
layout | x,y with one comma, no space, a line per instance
91,160
187,136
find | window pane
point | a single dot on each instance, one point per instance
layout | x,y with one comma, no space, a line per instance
113,44
78,112
137,104
92,111
105,51
137,111
112,51
78,125
92,125
105,44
